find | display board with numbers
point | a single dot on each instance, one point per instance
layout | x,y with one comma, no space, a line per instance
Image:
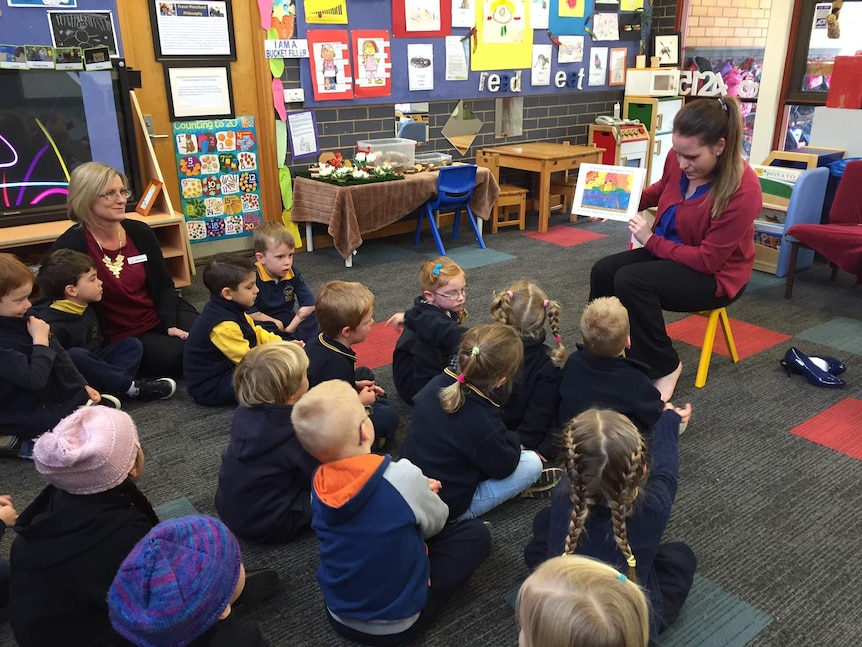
217,166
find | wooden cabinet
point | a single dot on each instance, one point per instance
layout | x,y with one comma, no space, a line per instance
657,114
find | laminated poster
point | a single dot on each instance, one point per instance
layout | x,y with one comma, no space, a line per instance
326,12
330,64
420,67
373,69
504,36
217,167
541,65
598,73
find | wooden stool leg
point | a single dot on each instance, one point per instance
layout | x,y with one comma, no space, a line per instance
728,335
522,212
495,218
706,352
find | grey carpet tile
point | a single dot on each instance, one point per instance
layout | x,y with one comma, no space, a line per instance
771,516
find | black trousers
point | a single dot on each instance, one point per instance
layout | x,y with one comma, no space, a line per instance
675,564
163,354
455,552
646,285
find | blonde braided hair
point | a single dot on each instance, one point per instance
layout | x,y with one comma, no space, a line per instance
526,307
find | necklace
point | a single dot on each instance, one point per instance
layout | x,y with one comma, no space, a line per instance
114,266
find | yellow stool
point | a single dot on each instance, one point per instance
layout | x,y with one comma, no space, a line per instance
713,317
503,216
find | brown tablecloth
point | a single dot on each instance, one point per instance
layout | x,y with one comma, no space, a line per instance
351,211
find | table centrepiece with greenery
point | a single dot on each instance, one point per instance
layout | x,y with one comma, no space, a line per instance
359,170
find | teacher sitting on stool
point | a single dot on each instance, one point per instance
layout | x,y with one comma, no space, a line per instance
699,253
139,298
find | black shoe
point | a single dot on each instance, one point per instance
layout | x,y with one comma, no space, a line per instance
160,389
826,363
260,586
9,445
798,362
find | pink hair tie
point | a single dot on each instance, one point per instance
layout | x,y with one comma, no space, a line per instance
545,303
557,339
460,378
509,292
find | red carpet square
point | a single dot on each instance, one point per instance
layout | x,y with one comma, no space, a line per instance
566,236
376,350
750,339
836,428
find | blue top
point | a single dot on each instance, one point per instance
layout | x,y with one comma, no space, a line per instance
666,225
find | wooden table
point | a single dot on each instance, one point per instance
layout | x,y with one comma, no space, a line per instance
350,211
544,159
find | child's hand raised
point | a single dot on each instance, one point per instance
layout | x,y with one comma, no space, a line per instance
39,330
396,321
435,485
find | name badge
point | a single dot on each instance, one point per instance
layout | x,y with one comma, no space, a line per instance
140,258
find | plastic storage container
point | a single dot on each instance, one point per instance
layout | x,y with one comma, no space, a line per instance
433,159
397,152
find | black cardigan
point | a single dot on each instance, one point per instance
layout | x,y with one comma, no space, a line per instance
160,285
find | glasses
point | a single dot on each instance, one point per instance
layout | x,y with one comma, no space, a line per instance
454,294
368,411
113,195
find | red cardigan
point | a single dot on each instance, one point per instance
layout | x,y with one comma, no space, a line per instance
723,247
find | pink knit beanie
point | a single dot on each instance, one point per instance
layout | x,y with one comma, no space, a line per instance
91,450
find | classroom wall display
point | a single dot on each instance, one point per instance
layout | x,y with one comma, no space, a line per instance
217,166
26,24
491,72
373,68
42,3
84,29
199,29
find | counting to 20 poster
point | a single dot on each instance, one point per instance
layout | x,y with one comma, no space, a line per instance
217,167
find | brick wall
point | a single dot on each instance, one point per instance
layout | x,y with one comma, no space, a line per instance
727,23
663,16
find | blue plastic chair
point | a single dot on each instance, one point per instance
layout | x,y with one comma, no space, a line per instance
806,205
416,130
455,186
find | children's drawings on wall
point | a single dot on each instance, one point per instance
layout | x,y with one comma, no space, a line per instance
283,18
325,12
373,67
571,49
541,65
505,21
598,66
420,67
606,26
463,13
570,9
539,10
422,15
330,64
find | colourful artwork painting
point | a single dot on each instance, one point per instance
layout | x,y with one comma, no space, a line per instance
611,192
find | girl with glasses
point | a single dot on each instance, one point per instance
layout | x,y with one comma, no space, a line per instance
432,328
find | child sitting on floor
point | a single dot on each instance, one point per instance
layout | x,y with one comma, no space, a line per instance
389,562
345,312
614,506
457,433
432,328
75,534
531,409
573,600
601,376
68,285
177,587
223,333
264,483
39,384
281,286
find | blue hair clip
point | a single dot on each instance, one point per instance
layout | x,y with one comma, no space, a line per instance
437,268
622,577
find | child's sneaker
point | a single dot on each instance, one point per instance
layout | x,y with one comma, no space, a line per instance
544,486
159,389
9,445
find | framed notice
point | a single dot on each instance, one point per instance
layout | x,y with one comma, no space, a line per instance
149,197
198,91
188,30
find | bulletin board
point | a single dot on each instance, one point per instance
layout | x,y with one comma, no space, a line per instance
378,14
30,26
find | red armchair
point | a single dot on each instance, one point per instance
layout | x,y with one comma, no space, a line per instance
840,241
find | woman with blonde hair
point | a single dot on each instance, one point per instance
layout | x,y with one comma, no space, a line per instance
140,299
699,253
574,601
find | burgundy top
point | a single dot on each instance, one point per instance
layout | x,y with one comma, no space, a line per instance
723,247
126,306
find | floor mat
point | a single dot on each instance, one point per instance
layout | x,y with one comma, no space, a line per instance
177,508
566,236
471,257
749,339
842,333
837,428
376,350
375,253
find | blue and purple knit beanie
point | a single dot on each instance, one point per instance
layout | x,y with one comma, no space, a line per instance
175,583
